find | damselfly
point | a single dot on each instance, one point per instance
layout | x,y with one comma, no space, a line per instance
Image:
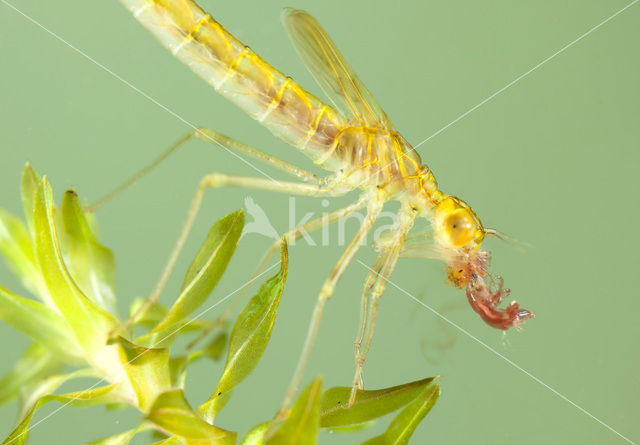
352,139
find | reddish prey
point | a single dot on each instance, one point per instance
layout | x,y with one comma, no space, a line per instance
469,270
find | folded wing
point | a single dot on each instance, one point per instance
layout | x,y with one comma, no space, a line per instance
331,71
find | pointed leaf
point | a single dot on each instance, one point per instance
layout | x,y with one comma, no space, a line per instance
105,394
17,250
30,184
36,363
301,427
147,370
221,241
202,276
172,413
33,391
122,438
178,371
89,323
116,439
249,338
255,436
151,316
368,405
404,424
173,440
352,428
91,265
42,324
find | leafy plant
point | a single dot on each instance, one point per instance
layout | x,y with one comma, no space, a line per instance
76,333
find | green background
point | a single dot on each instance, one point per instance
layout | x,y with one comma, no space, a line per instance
553,161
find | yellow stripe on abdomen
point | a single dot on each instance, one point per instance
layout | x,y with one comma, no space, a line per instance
239,74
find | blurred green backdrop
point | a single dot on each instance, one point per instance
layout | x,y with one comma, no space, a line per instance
553,160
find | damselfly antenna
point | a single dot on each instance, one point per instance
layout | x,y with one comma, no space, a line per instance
520,246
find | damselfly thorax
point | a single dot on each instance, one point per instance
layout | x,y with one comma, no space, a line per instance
372,158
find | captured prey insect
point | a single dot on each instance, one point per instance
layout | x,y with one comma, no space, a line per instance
353,139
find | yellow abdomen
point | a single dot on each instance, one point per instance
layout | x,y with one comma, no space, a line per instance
239,74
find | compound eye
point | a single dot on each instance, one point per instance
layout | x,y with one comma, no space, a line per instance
460,227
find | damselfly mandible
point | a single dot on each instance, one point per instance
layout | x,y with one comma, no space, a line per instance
353,140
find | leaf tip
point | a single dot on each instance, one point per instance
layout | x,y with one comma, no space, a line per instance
284,258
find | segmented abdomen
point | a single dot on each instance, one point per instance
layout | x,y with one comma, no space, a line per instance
239,74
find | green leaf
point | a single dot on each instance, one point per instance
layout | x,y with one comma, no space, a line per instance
122,438
178,371
30,184
174,440
368,405
255,436
17,250
301,427
202,276
352,428
147,370
89,323
32,392
249,339
151,316
35,364
172,413
216,251
404,424
116,439
105,394
42,324
91,265
156,312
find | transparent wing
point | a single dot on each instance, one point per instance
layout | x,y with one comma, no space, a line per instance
331,71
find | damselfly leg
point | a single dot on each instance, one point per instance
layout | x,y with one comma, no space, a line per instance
373,289
374,209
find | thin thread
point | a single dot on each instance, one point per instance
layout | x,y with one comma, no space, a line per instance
136,89
526,73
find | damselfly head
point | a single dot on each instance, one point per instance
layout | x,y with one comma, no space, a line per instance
458,232
456,224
